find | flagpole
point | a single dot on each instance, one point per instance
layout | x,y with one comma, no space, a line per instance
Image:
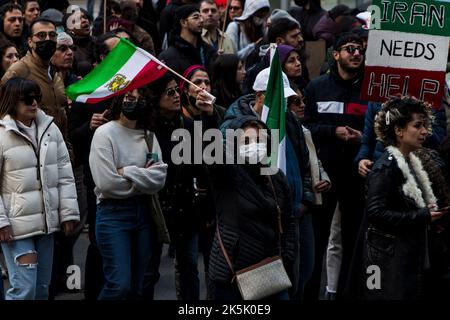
104,16
224,25
183,78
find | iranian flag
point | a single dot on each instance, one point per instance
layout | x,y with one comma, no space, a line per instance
274,111
125,68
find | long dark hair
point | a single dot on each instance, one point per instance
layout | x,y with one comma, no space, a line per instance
153,95
224,70
4,45
13,91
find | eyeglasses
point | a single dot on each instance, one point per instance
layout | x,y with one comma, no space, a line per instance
170,92
29,99
352,50
65,47
235,8
52,35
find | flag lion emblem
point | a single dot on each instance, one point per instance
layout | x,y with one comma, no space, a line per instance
119,82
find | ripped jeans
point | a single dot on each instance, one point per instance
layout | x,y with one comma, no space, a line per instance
29,281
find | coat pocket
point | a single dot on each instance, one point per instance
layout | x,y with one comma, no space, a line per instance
380,245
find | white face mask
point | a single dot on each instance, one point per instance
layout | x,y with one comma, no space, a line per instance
254,152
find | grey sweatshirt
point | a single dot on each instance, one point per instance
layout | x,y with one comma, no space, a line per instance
115,146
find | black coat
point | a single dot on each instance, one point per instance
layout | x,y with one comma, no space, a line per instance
181,54
177,198
395,234
247,217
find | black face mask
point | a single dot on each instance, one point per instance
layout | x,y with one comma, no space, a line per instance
133,110
45,49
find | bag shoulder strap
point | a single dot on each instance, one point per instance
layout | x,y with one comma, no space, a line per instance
280,228
149,140
224,251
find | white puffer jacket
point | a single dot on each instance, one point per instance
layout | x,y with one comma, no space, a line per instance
37,187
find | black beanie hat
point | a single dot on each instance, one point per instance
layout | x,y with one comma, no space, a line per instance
183,12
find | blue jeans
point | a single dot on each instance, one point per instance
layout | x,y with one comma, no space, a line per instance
29,281
306,254
123,232
2,293
186,254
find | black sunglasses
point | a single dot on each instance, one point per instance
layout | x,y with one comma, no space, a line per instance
172,91
352,50
29,99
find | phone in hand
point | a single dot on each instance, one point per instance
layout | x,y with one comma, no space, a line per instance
152,157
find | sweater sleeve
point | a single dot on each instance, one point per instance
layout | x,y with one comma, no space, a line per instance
68,204
148,180
104,172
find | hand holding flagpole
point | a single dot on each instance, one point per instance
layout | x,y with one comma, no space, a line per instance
223,27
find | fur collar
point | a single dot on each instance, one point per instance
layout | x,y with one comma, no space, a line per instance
410,187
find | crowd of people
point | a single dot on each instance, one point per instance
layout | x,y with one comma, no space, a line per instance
366,184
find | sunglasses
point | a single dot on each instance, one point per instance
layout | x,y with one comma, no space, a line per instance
172,91
52,35
65,47
235,8
352,50
29,99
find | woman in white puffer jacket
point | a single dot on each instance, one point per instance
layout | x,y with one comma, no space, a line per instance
37,189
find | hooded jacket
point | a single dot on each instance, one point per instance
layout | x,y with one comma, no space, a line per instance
294,132
247,216
37,184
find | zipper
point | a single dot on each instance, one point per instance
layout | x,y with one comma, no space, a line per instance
36,152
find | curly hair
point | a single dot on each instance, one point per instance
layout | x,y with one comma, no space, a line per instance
398,112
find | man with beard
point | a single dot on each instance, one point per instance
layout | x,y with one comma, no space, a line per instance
11,26
335,115
186,47
36,66
211,34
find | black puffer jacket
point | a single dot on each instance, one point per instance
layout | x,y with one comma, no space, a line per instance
181,54
242,107
247,217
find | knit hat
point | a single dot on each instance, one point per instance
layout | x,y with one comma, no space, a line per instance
284,50
188,74
251,6
183,12
53,15
278,14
